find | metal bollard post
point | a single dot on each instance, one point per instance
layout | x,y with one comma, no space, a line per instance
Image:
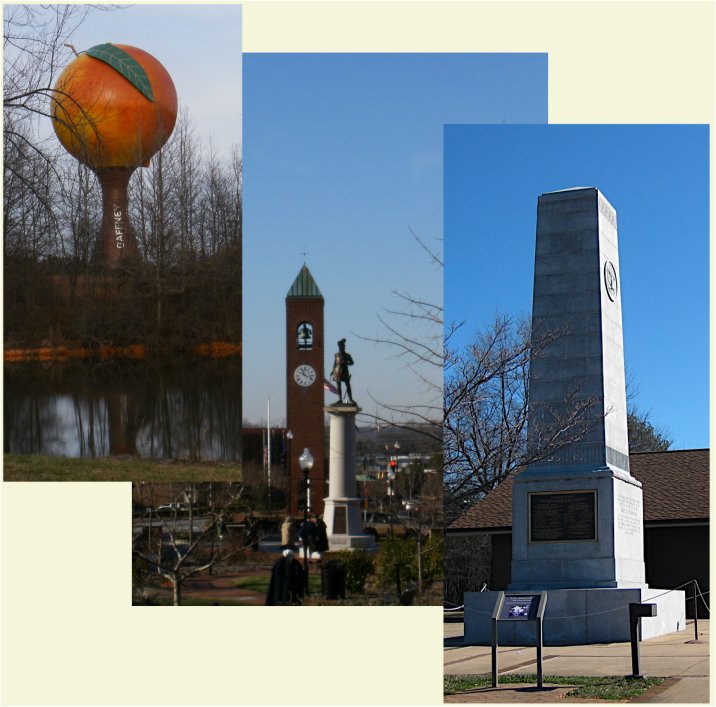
695,591
637,611
494,653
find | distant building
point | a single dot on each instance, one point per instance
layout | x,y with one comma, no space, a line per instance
254,446
676,521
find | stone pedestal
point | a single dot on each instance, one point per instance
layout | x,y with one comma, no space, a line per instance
576,617
578,529
342,507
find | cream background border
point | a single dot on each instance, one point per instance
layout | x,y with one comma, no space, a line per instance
69,634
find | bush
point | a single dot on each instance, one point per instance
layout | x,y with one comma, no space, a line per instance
394,553
403,553
433,560
359,564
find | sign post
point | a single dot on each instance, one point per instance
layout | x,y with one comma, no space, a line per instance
495,615
519,607
636,612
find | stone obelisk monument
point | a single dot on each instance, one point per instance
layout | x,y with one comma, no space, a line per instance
342,507
577,514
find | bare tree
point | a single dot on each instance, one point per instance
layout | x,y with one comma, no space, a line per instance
486,412
38,184
36,45
413,331
424,490
188,150
179,543
30,190
79,206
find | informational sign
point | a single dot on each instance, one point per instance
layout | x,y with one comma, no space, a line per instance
563,517
519,607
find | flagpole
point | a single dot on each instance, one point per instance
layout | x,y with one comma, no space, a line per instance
268,445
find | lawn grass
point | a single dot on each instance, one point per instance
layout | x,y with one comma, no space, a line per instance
594,688
259,583
17,467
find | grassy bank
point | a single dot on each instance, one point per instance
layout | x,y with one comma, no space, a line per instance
588,688
42,468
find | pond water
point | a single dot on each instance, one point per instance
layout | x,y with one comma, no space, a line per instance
183,408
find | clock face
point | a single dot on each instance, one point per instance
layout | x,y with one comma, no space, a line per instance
304,375
610,280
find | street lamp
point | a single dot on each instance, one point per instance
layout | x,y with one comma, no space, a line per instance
289,437
305,461
392,469
391,479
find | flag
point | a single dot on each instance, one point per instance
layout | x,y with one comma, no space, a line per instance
329,387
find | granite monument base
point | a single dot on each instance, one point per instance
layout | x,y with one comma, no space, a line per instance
343,525
577,527
341,512
577,617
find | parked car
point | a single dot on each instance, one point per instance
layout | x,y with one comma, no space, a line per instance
378,525
173,507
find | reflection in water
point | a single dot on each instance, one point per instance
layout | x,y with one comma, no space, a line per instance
180,409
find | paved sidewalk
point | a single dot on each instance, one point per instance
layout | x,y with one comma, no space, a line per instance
674,656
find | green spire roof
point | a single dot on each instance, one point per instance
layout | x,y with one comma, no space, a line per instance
304,285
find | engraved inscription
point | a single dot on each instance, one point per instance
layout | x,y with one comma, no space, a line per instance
562,517
118,227
608,213
339,520
628,521
576,453
616,458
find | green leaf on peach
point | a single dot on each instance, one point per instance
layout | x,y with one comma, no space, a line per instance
125,64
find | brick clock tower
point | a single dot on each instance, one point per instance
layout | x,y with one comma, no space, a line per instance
304,387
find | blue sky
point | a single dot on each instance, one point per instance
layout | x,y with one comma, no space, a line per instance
656,177
342,157
199,45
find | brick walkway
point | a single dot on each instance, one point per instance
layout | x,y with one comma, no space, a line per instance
221,588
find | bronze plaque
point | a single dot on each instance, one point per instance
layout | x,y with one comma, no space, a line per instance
339,520
563,517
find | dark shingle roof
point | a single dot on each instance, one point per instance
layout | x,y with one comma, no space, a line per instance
675,486
304,285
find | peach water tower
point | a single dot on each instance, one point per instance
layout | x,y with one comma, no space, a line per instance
114,107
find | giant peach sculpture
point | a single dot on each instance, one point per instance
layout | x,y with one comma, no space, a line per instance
114,107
